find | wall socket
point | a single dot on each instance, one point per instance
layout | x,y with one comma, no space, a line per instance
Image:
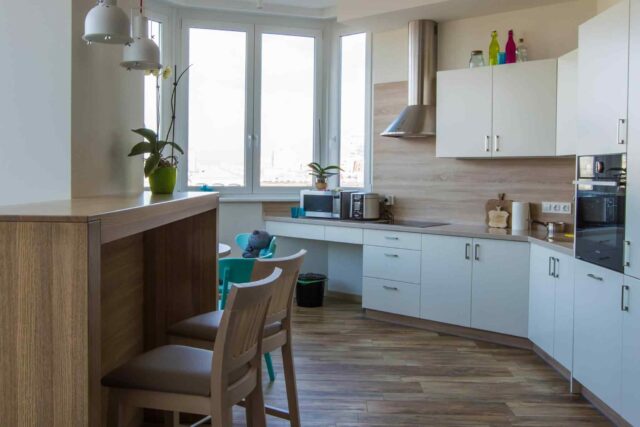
556,208
389,200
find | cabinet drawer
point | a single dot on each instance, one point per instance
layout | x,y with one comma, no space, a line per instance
393,239
391,297
343,235
391,263
300,231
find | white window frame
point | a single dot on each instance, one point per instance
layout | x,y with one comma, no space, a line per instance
253,103
336,101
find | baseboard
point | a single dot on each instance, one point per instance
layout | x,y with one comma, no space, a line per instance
606,410
566,374
445,328
344,297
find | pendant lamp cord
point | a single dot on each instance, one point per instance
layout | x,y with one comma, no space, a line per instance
141,7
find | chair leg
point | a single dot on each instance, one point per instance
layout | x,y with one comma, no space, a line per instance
222,417
256,416
269,362
290,384
113,410
171,419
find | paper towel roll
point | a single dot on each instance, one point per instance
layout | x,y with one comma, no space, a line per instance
520,215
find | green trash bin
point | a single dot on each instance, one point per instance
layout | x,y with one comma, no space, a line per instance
310,290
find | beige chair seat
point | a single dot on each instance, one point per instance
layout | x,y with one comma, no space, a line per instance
205,327
168,369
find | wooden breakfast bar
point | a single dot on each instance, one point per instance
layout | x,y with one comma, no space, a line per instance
86,284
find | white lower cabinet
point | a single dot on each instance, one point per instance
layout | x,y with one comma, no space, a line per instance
391,296
551,303
446,279
500,287
631,351
597,361
402,265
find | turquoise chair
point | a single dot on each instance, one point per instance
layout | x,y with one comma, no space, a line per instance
238,270
242,240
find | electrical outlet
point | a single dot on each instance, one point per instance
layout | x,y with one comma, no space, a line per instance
389,200
562,208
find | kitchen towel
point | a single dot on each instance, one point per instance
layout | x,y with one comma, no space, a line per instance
520,216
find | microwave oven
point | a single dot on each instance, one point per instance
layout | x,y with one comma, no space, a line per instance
326,204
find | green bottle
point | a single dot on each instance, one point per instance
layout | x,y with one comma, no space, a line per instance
494,49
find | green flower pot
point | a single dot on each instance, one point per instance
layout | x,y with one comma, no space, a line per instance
163,180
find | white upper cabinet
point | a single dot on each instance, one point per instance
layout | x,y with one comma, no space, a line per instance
500,287
631,351
464,113
502,111
603,75
446,279
632,224
524,109
567,127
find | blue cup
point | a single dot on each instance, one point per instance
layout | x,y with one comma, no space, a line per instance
295,212
502,58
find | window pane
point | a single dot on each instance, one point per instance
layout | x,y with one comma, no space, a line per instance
353,109
150,91
287,111
217,107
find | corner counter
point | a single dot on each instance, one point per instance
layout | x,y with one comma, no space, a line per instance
86,284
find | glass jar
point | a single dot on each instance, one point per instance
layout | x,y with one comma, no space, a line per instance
477,59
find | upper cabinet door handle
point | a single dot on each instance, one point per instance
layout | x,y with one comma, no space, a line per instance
497,143
556,268
477,252
467,251
551,266
487,143
627,256
622,134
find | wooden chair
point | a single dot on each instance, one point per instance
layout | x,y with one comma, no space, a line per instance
178,379
201,331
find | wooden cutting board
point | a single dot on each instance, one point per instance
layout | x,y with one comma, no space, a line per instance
503,203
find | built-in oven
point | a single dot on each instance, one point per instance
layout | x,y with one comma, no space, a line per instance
600,210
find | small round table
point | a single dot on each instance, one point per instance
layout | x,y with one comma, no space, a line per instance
224,250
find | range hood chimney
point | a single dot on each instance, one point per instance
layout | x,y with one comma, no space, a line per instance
419,118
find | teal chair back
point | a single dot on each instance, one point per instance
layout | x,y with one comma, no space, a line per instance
233,270
242,240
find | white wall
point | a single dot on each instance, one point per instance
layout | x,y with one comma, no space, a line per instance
605,4
35,106
107,103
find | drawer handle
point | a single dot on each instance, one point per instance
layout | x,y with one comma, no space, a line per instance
594,277
390,288
392,255
391,238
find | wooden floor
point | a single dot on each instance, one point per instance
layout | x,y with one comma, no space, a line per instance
355,372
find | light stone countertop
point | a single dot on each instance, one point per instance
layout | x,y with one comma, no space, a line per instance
563,245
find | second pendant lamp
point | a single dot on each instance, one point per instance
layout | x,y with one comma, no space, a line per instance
143,53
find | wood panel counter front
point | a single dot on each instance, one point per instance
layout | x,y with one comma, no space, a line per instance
86,284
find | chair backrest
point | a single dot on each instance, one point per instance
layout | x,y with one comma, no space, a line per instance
238,346
282,299
242,240
236,270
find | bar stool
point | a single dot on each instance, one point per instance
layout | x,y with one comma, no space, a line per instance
201,331
178,379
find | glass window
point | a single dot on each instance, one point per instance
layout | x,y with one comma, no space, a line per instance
353,95
151,95
287,110
217,110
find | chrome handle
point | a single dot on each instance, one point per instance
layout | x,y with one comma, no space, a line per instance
550,266
556,268
623,305
391,238
392,255
594,277
497,143
467,251
487,143
476,255
621,140
390,288
627,248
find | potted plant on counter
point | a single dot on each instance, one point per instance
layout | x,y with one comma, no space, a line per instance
322,174
161,168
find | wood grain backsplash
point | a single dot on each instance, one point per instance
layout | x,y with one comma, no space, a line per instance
456,190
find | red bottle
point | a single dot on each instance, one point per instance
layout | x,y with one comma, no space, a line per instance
510,49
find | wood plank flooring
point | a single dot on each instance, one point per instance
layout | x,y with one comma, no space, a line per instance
356,372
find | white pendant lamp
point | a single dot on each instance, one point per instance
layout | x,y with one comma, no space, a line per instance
143,53
107,23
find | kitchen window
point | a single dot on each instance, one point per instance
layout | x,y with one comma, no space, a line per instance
353,109
253,115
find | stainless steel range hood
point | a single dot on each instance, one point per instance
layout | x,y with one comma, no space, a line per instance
419,118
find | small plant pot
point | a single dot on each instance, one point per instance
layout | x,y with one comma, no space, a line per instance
321,185
163,180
